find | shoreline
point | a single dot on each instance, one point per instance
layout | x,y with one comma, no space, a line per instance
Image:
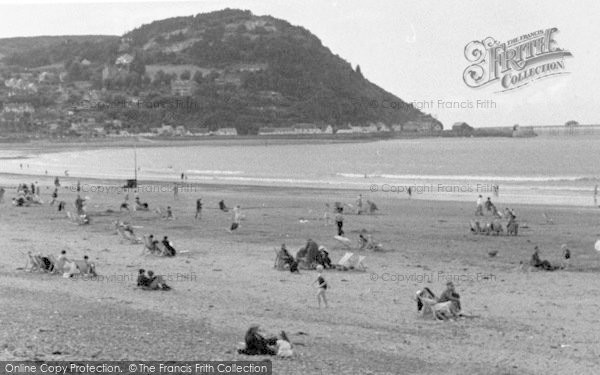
115,186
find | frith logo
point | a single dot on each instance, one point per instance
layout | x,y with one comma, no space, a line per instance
515,63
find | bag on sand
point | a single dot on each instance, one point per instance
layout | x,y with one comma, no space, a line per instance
234,226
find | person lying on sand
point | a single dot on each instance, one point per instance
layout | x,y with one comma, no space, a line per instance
541,264
257,344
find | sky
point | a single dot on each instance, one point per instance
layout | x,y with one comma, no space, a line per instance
414,49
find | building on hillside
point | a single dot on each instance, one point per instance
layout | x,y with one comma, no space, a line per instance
183,88
202,132
124,60
328,129
165,130
462,128
18,108
275,131
182,131
86,62
306,128
47,77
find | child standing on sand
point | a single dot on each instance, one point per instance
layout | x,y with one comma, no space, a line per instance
321,285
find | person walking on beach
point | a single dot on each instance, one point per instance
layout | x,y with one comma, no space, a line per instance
237,217
479,209
198,209
339,220
56,181
2,191
596,195
359,204
54,196
169,214
175,191
409,191
79,205
321,286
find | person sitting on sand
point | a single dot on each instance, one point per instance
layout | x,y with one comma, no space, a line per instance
142,279
170,250
153,244
538,263
287,258
222,206
156,282
323,258
256,344
124,206
450,295
61,262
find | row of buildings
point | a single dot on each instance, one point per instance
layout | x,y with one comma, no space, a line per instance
424,126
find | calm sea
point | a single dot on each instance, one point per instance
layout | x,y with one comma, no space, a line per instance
548,170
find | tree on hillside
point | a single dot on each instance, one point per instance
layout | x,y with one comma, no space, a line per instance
358,71
185,75
571,123
198,77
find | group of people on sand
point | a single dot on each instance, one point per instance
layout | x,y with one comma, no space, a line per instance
446,306
61,264
537,262
26,195
256,343
153,246
149,281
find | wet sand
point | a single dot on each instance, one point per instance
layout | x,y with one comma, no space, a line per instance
527,322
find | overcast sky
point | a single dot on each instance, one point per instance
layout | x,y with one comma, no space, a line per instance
412,48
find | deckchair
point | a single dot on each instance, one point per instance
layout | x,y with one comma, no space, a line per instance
85,268
475,227
148,247
344,241
36,262
128,236
345,261
359,263
279,261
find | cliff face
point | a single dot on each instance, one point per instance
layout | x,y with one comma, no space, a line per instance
240,70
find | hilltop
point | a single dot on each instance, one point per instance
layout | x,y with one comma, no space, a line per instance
224,69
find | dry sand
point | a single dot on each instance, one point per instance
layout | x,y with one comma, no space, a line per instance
527,322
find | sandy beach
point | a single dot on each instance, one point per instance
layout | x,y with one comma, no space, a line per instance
525,322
